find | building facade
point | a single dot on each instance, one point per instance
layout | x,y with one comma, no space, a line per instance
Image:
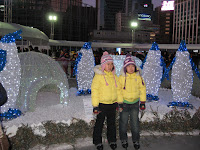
117,19
165,20
186,21
74,22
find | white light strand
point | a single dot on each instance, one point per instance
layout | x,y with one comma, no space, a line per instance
10,75
182,77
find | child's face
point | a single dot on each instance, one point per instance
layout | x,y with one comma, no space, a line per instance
130,69
109,66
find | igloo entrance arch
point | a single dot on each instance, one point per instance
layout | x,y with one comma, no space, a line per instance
37,71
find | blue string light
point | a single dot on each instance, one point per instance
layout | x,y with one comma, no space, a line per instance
194,67
150,98
143,62
182,46
166,73
180,105
2,59
163,64
154,47
87,45
12,113
78,59
11,37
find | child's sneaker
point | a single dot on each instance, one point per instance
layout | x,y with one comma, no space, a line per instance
99,146
124,144
113,145
136,145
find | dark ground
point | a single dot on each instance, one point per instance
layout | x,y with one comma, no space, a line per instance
181,142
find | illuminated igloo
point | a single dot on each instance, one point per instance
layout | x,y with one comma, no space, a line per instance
37,71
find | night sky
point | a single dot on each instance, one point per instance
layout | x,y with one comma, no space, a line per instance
93,2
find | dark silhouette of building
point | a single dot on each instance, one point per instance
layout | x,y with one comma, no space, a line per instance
74,21
165,20
115,16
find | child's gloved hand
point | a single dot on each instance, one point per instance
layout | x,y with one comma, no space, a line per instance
142,106
96,110
120,107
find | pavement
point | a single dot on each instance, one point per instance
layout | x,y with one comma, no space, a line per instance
172,142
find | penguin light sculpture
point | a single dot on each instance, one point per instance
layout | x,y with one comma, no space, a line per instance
152,72
11,73
84,69
181,78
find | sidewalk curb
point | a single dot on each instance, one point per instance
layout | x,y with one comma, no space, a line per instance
87,141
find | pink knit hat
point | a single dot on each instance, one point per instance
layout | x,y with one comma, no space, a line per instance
128,61
105,59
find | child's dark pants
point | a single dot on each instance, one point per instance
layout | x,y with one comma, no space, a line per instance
108,111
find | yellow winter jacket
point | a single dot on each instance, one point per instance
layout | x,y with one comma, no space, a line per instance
102,93
134,88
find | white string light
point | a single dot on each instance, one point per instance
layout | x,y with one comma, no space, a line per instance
182,77
85,72
39,70
152,71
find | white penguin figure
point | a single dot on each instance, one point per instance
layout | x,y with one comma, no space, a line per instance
11,73
152,72
182,75
85,65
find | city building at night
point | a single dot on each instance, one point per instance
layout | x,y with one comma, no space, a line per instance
186,21
164,18
118,26
74,21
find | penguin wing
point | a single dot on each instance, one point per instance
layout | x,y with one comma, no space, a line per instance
78,59
2,59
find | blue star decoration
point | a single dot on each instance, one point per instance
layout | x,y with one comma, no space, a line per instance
87,45
182,46
11,37
3,61
154,46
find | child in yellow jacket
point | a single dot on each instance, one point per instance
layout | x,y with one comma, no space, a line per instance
134,97
104,93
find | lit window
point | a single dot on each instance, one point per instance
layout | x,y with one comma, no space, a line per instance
167,29
167,25
167,21
167,18
166,32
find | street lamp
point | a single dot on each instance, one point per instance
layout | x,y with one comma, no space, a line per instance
52,19
134,25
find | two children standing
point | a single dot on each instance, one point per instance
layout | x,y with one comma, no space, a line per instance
128,91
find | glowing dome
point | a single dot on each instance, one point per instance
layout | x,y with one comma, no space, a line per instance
38,70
